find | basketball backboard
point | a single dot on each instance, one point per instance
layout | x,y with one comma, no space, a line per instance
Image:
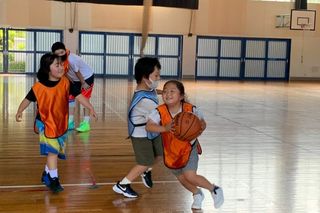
303,20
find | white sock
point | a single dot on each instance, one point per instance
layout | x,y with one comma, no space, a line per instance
71,117
86,118
198,192
46,169
53,173
125,181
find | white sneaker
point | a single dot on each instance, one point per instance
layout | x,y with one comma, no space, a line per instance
197,200
217,195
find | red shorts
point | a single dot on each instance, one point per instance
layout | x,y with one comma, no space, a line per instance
85,92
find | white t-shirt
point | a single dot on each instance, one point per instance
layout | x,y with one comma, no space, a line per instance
140,114
76,64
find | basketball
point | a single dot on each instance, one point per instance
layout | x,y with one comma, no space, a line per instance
187,126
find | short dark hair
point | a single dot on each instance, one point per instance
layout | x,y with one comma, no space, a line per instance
57,46
46,60
144,67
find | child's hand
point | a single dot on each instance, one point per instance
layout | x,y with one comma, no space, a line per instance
93,115
85,86
203,126
19,116
169,127
159,91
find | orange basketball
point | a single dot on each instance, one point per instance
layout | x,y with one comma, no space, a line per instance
187,126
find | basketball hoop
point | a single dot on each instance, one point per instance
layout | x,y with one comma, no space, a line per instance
303,20
304,26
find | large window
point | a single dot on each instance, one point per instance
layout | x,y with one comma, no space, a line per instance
21,49
242,58
115,54
1,48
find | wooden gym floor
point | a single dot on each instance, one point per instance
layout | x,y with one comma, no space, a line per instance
262,145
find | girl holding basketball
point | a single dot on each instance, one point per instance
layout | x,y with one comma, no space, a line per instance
51,94
181,156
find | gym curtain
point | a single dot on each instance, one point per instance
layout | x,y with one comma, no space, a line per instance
188,4
301,4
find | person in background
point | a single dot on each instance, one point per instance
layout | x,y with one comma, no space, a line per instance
82,78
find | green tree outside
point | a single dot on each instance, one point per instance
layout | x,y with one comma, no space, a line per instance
13,44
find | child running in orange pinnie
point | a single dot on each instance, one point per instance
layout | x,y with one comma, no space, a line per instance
51,94
161,120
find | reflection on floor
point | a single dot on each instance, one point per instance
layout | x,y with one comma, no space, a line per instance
261,145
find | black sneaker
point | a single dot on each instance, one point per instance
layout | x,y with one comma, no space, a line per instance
55,185
124,189
45,178
146,179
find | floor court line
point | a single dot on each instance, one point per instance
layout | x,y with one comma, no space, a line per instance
77,184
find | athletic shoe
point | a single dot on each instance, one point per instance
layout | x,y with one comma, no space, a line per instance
45,178
84,126
55,185
217,195
197,200
124,189
70,125
146,179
